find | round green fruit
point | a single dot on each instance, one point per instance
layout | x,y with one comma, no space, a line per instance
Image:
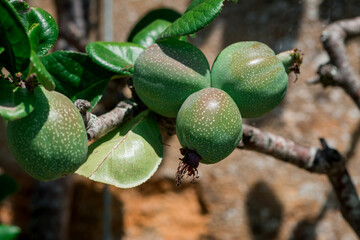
252,75
51,141
166,73
209,124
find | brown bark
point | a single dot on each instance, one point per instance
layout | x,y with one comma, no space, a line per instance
338,72
99,126
326,161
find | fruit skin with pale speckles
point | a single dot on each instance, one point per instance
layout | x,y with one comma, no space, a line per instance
252,75
51,141
166,73
209,122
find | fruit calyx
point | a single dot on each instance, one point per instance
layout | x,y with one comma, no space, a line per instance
188,165
291,60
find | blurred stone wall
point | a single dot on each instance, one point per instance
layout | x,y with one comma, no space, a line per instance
248,195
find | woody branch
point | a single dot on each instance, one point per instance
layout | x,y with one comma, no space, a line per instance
338,71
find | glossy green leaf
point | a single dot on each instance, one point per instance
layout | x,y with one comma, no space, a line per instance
42,75
76,76
201,14
148,35
127,156
8,232
34,36
14,39
20,6
8,186
193,4
162,13
117,57
48,31
15,103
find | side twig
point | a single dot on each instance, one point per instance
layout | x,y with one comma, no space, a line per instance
338,72
99,126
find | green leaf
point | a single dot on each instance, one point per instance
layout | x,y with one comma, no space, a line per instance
201,13
8,186
127,156
162,13
193,4
13,39
148,35
1,50
117,57
34,36
76,76
15,103
8,232
42,75
21,7
48,29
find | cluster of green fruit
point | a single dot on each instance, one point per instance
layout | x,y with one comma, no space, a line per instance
173,79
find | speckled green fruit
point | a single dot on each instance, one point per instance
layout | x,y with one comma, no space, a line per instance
166,73
209,122
252,75
51,141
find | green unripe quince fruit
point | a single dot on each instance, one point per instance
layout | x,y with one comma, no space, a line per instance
51,141
166,73
209,123
252,75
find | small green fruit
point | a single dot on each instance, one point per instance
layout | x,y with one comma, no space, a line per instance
166,73
252,75
209,123
51,141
